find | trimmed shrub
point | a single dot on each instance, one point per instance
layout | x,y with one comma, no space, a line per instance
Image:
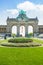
30,35
20,40
13,35
20,45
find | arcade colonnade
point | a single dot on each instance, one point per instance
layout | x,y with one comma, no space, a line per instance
11,23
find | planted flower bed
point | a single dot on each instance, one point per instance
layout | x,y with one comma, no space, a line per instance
20,40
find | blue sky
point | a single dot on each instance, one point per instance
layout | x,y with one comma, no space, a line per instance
11,8
8,4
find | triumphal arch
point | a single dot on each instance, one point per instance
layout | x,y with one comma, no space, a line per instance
20,20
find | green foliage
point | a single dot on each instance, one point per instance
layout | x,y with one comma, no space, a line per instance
20,40
20,45
30,34
34,40
13,35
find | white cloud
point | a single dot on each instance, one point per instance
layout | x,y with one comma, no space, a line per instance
12,11
40,7
26,6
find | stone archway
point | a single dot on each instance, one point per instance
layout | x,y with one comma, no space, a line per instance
22,19
22,30
26,24
14,30
30,29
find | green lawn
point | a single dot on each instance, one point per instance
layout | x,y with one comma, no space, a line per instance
38,41
21,56
4,41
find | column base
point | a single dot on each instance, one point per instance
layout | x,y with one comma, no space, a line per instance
26,35
17,35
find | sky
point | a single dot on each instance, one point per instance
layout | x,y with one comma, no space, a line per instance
11,8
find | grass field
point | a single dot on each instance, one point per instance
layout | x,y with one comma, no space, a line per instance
38,41
21,56
4,41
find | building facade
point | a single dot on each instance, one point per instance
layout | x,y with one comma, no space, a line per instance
22,19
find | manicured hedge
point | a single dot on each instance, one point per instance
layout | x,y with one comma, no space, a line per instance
20,45
20,40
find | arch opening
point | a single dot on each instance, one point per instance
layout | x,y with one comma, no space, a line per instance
22,31
30,30
14,30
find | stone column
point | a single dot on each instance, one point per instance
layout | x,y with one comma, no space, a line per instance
8,30
35,30
18,30
26,30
